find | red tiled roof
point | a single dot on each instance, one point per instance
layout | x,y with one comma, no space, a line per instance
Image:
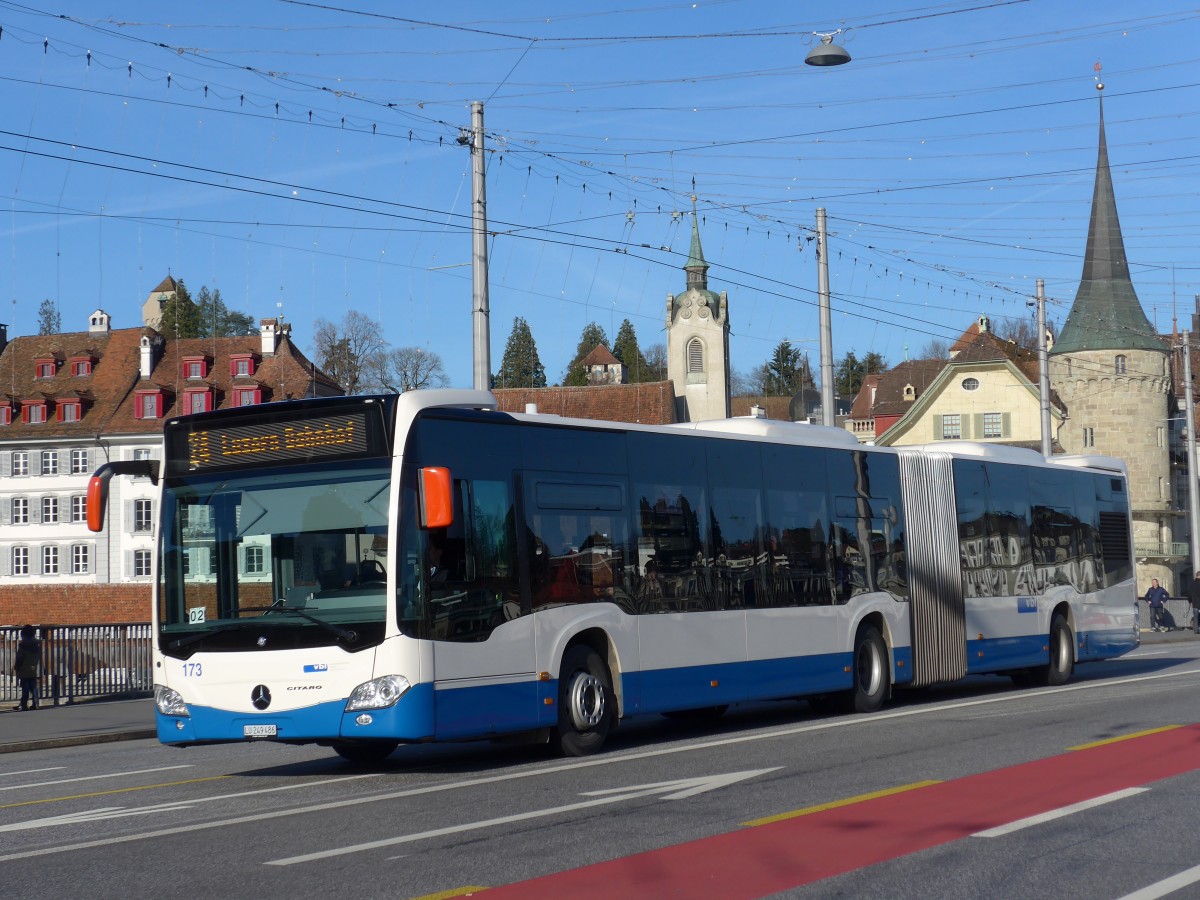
109,393
601,356
650,403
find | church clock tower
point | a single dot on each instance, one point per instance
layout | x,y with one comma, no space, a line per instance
698,342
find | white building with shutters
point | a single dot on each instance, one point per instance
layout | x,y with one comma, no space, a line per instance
70,402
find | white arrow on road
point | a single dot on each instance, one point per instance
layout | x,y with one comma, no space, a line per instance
93,815
670,790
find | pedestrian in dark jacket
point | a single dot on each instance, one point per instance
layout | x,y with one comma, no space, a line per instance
1193,593
1157,597
26,666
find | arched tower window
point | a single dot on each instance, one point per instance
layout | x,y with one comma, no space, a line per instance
695,357
1119,364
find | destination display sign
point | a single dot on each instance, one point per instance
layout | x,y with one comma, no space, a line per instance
216,446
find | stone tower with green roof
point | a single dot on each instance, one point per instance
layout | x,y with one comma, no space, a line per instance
698,342
1112,371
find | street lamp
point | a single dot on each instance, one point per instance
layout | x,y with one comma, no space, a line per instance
827,53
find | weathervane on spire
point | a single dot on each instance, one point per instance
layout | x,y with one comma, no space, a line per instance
1096,68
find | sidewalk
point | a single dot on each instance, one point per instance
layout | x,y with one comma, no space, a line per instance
95,722
99,722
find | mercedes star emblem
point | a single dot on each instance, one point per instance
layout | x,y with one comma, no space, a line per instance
260,696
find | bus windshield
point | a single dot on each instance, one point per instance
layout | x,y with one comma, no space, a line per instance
293,557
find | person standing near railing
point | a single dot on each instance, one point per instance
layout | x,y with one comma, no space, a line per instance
26,665
1156,598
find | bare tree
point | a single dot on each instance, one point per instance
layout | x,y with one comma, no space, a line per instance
405,369
936,348
656,363
1021,330
343,350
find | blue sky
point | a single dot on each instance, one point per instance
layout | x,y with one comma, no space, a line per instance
301,158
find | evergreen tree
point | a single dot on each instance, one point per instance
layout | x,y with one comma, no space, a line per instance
851,371
180,316
49,318
593,336
625,348
787,371
217,320
521,366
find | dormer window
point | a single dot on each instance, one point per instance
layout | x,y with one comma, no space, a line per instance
247,396
910,392
195,367
34,413
148,404
70,410
197,401
45,367
241,365
81,366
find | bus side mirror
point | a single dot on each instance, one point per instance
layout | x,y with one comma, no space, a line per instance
97,490
437,497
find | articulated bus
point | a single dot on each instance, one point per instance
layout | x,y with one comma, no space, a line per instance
361,572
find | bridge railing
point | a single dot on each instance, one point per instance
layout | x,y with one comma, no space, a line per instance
82,662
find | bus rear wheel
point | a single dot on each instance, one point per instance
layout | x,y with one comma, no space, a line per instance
1062,656
585,703
872,677
365,752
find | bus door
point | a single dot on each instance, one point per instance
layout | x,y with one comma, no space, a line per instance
483,644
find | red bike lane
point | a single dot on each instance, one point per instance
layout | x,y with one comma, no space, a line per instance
757,861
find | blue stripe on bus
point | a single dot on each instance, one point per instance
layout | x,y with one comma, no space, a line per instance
411,719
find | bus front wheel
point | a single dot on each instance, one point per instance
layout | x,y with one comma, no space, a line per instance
585,703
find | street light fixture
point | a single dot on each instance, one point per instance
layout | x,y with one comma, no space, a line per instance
827,53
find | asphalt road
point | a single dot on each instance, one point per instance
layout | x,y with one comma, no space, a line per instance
979,790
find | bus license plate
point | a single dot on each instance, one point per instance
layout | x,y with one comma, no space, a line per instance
259,731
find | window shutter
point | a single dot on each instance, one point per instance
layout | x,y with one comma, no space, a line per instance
128,563
35,560
6,561
5,510
127,523
6,465
1006,425
937,428
64,461
35,511
976,424
965,423
35,463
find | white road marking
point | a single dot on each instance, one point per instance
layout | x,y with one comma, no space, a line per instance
1022,696
18,787
117,812
1167,886
30,771
671,790
1051,815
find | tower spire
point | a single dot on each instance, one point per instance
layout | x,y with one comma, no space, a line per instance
696,267
1106,314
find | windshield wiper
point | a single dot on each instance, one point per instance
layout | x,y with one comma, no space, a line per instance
277,607
192,638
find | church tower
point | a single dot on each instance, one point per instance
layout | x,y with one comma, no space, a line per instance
698,342
1111,369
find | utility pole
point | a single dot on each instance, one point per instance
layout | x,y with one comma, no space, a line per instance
1189,401
480,309
1043,369
827,412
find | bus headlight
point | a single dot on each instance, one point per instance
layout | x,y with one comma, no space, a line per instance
378,693
169,701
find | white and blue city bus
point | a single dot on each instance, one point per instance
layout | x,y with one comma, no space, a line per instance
362,572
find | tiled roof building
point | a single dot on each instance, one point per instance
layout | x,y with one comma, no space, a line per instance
70,402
